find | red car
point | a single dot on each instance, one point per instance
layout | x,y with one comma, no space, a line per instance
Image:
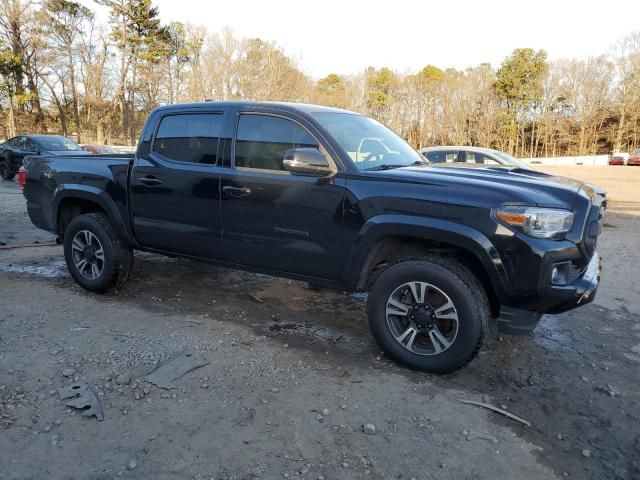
616,160
634,159
99,149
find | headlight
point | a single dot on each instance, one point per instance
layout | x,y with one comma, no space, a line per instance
537,222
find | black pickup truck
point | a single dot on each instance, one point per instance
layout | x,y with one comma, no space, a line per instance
335,198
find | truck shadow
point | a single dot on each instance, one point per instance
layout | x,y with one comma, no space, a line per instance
568,378
296,313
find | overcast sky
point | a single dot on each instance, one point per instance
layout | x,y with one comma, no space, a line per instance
346,36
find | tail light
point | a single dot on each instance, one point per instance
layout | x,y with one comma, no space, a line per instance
22,177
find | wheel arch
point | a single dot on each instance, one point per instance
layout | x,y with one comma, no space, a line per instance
387,241
70,202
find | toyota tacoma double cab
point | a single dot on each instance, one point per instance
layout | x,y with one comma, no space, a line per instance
331,197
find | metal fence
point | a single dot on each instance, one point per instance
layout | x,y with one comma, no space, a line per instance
566,161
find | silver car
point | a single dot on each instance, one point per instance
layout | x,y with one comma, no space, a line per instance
471,155
477,156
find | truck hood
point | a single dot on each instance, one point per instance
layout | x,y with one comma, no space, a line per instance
66,153
499,184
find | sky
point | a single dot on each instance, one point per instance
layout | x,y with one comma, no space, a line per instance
346,36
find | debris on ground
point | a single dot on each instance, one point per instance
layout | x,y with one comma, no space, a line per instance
497,410
256,298
83,398
165,375
78,329
124,379
369,428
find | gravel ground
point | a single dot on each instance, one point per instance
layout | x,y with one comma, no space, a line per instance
293,376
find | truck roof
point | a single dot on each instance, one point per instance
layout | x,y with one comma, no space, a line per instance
288,106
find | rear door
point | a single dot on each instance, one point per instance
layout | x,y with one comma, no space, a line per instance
272,218
175,185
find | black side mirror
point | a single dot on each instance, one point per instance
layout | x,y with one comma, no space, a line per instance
307,161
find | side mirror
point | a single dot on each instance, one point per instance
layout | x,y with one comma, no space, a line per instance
306,161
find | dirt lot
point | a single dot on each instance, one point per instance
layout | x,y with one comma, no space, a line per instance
256,409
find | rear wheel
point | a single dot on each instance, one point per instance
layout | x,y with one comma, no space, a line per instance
6,169
430,314
96,257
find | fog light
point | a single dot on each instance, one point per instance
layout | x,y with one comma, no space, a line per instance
560,273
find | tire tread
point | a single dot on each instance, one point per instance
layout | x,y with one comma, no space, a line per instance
468,279
123,256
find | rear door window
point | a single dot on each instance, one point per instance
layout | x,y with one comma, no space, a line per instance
190,138
475,157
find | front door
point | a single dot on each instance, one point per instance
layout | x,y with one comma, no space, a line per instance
176,186
272,218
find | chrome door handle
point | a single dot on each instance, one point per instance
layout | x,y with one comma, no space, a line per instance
236,191
150,181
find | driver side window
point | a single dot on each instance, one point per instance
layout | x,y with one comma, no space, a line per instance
262,140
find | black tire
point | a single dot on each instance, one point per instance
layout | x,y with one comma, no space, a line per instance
6,169
117,257
463,290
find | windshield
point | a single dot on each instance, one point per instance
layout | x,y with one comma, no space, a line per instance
57,144
371,145
509,160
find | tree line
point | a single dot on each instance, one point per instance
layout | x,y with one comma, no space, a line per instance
61,71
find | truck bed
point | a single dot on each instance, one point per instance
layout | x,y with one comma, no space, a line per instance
48,177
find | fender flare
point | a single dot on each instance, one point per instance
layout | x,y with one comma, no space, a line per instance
462,236
95,195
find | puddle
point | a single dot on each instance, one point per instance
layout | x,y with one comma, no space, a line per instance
548,335
360,297
57,269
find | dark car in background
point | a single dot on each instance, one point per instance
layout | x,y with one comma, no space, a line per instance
100,149
13,151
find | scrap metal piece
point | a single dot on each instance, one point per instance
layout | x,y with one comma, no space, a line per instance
82,397
497,410
165,375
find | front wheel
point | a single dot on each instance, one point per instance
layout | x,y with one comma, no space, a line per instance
429,314
96,257
6,169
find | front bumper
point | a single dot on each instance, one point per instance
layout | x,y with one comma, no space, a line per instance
581,291
553,299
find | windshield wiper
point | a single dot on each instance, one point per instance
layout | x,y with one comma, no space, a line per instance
389,166
386,166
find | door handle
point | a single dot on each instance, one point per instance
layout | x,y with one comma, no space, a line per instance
236,191
150,181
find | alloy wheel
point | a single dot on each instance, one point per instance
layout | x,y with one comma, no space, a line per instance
422,318
88,254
